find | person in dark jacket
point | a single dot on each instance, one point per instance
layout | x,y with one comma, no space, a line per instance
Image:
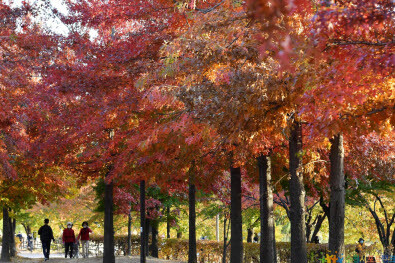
30,242
46,235
68,239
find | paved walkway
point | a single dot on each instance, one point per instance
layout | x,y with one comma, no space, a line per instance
91,260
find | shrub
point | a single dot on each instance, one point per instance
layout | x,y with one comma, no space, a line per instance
211,251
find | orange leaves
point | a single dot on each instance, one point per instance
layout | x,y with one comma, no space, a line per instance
220,74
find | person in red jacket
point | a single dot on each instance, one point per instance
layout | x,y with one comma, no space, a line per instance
84,235
68,239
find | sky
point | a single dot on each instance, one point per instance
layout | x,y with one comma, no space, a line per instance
52,23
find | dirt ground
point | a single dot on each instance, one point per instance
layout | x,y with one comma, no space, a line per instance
91,260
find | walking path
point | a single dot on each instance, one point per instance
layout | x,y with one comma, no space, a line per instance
36,257
132,259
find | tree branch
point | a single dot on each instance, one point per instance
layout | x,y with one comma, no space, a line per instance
340,42
208,10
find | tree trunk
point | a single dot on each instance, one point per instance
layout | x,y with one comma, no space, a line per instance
236,246
320,220
393,242
147,232
337,198
384,232
142,222
108,250
27,228
226,243
179,234
250,233
168,221
217,227
297,196
192,254
268,240
129,251
12,223
5,251
154,245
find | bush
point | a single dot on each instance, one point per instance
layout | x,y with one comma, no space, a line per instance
211,251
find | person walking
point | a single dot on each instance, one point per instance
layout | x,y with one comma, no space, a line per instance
360,249
68,239
30,242
20,237
84,235
46,235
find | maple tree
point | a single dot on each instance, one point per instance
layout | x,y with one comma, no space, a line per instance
23,50
97,90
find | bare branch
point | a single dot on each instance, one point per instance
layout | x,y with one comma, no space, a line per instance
208,10
339,42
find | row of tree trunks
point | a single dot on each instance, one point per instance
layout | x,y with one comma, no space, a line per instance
297,210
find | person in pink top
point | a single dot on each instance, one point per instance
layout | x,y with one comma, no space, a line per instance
84,235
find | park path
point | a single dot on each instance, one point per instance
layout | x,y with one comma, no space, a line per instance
132,259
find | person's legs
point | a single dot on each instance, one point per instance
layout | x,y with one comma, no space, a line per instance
44,246
71,249
66,249
83,244
48,248
87,248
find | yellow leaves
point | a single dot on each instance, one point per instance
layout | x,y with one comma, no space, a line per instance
218,73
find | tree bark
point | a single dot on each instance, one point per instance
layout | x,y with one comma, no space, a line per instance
226,243
179,234
147,232
154,245
320,220
12,236
217,227
337,198
27,228
393,242
129,251
168,221
5,251
108,253
236,246
142,222
192,254
297,196
268,239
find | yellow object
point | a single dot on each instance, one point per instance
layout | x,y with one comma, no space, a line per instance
361,251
